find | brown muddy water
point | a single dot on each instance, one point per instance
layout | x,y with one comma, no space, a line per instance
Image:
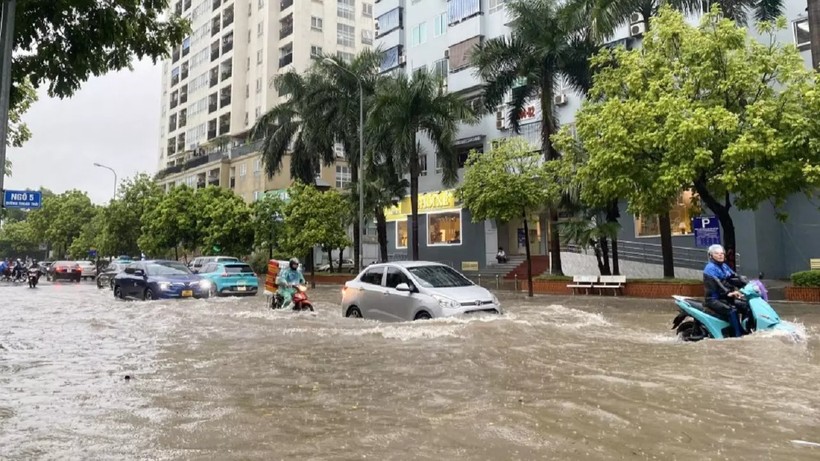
554,378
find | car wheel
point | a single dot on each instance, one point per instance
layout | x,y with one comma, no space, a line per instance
148,295
354,312
423,315
212,292
99,284
118,292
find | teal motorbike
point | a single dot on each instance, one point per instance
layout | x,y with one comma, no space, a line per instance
695,321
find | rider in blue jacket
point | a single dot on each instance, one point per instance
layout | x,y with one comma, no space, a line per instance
287,279
721,285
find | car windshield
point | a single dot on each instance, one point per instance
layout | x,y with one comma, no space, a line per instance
167,268
439,277
238,269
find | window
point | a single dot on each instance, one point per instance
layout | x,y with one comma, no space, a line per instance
440,68
345,35
496,5
440,25
395,276
389,21
439,277
243,169
260,29
315,51
258,85
390,58
346,9
463,152
316,23
401,234
367,37
261,4
346,57
419,35
459,10
257,195
343,176
686,207
259,57
802,38
444,228
422,164
460,53
373,276
257,167
367,10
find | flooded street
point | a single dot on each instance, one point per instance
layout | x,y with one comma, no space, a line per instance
555,378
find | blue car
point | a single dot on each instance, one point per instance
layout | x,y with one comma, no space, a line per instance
159,280
230,278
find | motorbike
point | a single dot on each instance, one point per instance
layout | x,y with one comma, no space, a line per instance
695,321
300,300
33,277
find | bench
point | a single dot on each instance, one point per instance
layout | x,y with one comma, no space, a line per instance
583,281
611,282
814,264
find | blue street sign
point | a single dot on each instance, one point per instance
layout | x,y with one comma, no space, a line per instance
92,253
707,231
22,199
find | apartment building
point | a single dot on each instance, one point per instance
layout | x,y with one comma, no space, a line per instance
219,81
439,35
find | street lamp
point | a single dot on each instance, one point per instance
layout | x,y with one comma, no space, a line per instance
115,176
361,157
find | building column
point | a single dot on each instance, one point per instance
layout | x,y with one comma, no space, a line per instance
814,30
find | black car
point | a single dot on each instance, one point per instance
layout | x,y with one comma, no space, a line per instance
106,276
65,270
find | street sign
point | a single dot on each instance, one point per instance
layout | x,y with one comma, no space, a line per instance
707,231
22,199
92,253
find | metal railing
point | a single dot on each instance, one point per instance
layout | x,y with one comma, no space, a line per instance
651,253
245,149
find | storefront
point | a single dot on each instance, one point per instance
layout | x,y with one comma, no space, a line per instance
446,231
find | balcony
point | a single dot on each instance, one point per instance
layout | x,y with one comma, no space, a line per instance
212,103
285,60
214,51
184,71
174,100
227,43
195,162
183,118
227,17
225,124
175,55
245,149
285,4
174,79
225,99
183,94
215,26
286,31
226,70
213,77
211,129
187,5
216,4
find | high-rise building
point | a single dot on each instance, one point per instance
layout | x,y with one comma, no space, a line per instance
219,81
440,35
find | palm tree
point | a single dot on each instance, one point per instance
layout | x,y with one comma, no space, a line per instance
736,10
547,44
287,129
384,188
335,105
406,106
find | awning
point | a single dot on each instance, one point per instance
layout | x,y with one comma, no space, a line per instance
478,139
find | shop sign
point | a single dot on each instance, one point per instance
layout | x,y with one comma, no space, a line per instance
468,266
428,201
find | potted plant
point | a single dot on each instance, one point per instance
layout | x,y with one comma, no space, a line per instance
805,287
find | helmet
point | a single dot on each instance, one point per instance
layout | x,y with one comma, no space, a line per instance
716,248
293,262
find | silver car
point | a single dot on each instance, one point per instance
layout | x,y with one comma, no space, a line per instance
89,269
413,290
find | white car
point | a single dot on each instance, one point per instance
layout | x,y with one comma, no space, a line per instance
414,290
89,269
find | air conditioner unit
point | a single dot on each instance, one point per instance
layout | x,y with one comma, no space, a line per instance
376,25
447,54
637,29
402,59
559,99
500,120
635,18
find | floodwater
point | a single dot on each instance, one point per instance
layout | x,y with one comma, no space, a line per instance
555,378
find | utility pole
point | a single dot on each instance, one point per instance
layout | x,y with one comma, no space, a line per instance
6,48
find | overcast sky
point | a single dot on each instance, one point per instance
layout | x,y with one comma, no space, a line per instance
113,120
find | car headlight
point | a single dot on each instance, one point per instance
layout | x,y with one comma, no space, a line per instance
164,286
447,303
205,284
495,300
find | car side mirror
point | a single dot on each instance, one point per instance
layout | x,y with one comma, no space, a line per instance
139,272
129,270
404,287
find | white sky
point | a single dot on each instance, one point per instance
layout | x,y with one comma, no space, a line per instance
113,120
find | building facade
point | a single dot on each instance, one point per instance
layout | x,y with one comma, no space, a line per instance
439,35
219,81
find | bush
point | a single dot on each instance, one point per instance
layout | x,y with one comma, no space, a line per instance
806,279
259,262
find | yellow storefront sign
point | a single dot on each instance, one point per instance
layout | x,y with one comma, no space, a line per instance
469,266
428,201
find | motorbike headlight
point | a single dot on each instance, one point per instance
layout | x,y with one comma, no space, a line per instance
205,284
447,303
164,286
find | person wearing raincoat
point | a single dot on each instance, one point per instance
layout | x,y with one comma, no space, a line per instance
287,280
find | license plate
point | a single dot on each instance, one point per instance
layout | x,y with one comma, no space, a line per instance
187,293
240,288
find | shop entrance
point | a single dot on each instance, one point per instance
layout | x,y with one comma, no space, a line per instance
511,237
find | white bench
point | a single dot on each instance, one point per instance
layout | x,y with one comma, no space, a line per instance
611,282
583,281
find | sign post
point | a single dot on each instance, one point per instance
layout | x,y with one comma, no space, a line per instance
7,14
22,199
707,231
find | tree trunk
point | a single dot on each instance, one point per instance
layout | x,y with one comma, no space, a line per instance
605,270
357,234
381,233
548,128
726,222
666,246
616,268
330,259
414,203
341,258
612,215
176,254
529,259
309,260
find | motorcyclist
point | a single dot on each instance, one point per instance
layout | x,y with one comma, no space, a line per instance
721,285
18,269
4,268
287,280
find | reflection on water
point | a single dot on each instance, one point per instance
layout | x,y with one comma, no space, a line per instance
576,378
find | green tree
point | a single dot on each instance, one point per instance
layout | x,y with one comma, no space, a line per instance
123,216
18,131
61,219
268,222
659,121
62,43
510,181
91,236
549,42
224,222
18,238
171,224
314,218
406,106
